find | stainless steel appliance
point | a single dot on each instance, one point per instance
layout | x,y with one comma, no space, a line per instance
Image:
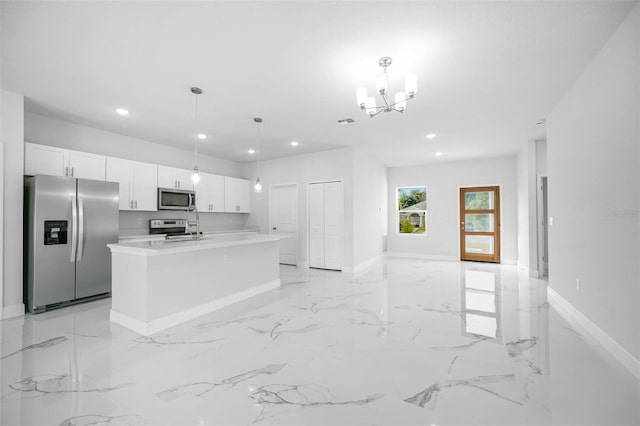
68,224
175,199
172,228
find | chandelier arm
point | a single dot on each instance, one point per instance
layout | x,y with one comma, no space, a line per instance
378,112
396,103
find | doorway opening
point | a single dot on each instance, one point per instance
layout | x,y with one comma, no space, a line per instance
543,228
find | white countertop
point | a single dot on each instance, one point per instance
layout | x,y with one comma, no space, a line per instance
210,241
139,235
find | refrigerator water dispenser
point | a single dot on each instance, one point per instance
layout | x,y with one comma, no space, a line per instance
55,232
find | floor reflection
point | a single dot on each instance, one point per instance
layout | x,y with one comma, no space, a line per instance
480,296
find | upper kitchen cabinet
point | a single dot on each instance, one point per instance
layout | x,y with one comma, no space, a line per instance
210,193
49,160
171,177
138,183
237,195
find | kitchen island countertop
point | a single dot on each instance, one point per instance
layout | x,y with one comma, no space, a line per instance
162,247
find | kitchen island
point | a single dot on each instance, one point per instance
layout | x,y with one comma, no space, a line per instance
159,284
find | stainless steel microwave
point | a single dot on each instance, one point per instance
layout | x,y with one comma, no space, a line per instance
176,199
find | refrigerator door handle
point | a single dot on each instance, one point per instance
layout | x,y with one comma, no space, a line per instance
74,229
80,228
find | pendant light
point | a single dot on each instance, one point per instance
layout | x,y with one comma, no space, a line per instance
257,187
195,177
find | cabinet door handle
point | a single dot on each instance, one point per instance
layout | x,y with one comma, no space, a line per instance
72,172
136,204
66,171
131,203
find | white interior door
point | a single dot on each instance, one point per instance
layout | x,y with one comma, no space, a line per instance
316,225
283,218
325,225
333,225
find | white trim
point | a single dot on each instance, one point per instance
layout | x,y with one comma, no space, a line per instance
366,264
150,327
512,262
577,319
397,215
13,311
423,256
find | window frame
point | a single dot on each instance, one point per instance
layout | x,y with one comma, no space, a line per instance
398,211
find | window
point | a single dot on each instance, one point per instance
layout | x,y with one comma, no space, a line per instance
412,210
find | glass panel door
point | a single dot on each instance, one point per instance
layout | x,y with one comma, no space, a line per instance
480,224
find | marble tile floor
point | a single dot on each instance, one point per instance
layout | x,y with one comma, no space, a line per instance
408,342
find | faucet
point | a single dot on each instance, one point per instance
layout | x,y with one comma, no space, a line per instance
189,223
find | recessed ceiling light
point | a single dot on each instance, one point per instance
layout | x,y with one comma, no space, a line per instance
345,121
438,154
431,135
251,151
202,136
122,111
294,143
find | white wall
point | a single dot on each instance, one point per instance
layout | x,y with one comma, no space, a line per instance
369,208
443,181
594,192
50,131
322,166
531,162
11,135
63,134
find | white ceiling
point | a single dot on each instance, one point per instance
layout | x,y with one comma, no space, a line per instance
487,71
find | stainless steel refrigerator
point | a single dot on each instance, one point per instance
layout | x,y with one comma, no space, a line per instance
68,224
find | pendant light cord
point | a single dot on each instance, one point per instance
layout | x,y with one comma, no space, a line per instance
196,150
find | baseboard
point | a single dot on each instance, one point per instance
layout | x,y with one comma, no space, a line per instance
13,311
147,328
365,265
422,256
303,263
580,321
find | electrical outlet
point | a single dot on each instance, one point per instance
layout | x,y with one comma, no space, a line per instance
578,284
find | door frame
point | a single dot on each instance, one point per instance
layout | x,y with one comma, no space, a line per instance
542,226
308,218
297,212
498,227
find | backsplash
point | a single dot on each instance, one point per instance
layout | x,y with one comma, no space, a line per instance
137,223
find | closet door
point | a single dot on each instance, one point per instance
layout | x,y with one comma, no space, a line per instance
325,225
333,225
316,225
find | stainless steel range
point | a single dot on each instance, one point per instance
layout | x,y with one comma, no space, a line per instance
173,228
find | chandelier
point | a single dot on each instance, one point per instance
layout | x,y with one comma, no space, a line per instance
368,103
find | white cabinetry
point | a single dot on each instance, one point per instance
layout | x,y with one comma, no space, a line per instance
236,195
171,177
49,160
210,193
325,225
138,183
